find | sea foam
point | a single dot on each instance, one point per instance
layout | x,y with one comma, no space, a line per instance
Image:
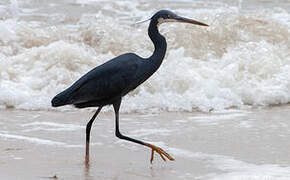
241,59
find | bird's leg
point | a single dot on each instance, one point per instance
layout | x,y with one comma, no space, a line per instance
88,131
160,151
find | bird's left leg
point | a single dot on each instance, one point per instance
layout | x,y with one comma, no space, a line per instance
88,132
160,151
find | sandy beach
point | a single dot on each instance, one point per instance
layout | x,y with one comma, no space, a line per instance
232,144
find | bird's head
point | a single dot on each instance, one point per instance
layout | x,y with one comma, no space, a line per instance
164,16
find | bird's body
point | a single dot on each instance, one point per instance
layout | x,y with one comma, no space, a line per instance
105,83
109,82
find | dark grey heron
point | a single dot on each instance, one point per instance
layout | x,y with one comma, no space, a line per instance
108,83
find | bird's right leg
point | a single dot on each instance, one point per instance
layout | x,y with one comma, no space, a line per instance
88,131
160,151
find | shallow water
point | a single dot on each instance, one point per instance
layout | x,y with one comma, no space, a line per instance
224,145
242,59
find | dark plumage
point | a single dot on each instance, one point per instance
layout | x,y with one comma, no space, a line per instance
106,83
109,82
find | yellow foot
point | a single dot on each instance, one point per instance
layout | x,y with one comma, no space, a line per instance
160,151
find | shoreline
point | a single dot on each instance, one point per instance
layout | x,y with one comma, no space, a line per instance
241,144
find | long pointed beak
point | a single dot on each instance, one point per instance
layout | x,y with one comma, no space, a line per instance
191,21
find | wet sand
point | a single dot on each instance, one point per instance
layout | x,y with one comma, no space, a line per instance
233,144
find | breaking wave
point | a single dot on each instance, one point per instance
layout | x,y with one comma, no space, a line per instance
241,59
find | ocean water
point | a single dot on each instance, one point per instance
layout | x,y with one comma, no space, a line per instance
241,60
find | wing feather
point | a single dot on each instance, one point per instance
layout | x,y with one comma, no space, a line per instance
105,81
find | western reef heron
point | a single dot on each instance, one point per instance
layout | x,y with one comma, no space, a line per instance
108,83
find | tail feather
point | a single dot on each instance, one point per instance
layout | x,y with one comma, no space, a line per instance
56,102
61,99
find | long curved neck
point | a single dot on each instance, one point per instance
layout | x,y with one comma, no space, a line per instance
159,44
